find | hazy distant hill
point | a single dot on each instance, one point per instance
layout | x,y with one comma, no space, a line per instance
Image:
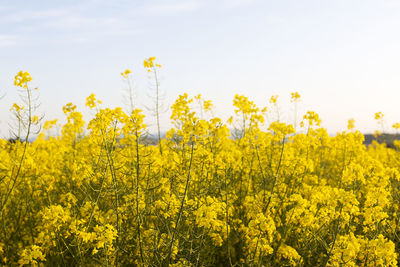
152,139
385,138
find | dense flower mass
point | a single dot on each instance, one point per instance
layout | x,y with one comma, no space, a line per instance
254,191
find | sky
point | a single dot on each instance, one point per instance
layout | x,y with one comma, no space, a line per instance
342,56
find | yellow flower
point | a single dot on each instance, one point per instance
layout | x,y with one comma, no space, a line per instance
22,79
313,118
92,102
16,108
126,73
350,124
149,64
69,107
273,100
378,115
35,119
49,124
295,96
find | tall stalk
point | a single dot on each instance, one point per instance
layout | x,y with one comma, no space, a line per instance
182,202
19,167
137,196
110,162
157,109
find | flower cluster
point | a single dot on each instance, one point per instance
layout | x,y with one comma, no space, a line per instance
150,64
22,79
253,192
126,73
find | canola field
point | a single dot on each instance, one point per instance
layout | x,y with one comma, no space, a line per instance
267,193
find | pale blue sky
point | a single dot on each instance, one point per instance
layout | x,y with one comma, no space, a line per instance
342,56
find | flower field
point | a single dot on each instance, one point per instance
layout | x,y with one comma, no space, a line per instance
250,191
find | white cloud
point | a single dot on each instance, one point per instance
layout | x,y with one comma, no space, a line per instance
8,40
78,23
67,23
185,6
81,29
392,3
237,3
32,15
171,8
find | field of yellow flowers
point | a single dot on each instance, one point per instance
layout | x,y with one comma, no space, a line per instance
267,194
